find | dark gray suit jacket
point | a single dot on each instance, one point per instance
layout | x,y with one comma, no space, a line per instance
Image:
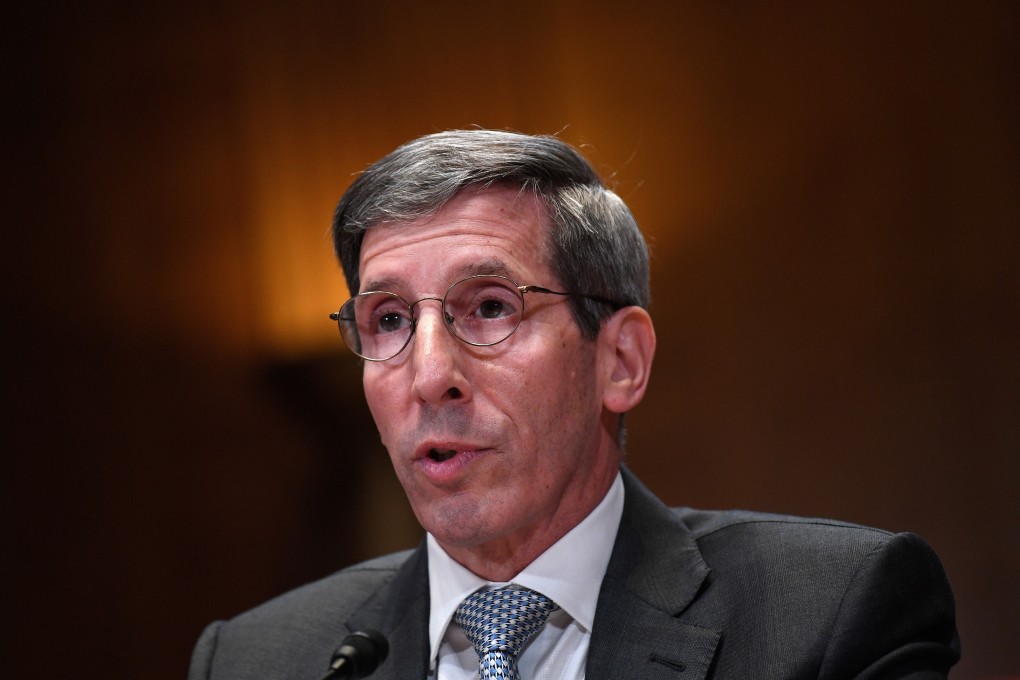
687,595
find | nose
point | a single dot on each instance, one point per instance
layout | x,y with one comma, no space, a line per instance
437,357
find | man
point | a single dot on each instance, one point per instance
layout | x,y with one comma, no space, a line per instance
501,313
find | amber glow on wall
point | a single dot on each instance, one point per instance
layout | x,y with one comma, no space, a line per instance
829,191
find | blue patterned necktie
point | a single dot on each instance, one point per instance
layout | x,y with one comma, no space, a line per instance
499,623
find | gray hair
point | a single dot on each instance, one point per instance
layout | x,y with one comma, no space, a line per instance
596,248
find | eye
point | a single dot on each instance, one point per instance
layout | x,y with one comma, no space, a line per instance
491,302
492,309
382,313
391,322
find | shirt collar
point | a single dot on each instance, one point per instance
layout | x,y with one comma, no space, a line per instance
570,572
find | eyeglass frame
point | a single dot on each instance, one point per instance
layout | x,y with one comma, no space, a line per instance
448,320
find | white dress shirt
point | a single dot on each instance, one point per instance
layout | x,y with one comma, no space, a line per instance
570,573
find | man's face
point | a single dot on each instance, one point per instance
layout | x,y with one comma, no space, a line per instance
494,446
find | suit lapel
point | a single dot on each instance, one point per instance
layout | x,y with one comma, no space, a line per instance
654,574
400,611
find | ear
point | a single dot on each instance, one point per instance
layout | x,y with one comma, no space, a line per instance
627,343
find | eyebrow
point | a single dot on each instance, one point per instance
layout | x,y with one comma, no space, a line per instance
386,283
492,266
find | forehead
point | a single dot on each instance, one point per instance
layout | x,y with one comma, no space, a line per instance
498,230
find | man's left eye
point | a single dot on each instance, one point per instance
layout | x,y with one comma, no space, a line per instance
491,309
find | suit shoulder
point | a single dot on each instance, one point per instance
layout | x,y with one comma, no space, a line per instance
835,597
704,523
336,593
771,543
810,556
293,635
829,576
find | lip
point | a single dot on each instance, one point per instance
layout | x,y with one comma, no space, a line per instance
448,470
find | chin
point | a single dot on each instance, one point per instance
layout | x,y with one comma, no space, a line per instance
460,524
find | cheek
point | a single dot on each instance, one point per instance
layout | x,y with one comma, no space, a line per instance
556,395
380,398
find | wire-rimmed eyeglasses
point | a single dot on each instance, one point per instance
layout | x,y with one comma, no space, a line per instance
480,310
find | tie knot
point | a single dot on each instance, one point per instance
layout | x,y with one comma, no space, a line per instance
503,620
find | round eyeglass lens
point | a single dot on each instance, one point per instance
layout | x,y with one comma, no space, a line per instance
375,326
484,310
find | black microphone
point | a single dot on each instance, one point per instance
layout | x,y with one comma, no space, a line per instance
358,655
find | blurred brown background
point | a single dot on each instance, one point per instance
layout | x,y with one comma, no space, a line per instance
831,194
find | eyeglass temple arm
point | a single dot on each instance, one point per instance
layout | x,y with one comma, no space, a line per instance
539,289
336,317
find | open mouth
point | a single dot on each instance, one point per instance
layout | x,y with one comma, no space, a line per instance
441,455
